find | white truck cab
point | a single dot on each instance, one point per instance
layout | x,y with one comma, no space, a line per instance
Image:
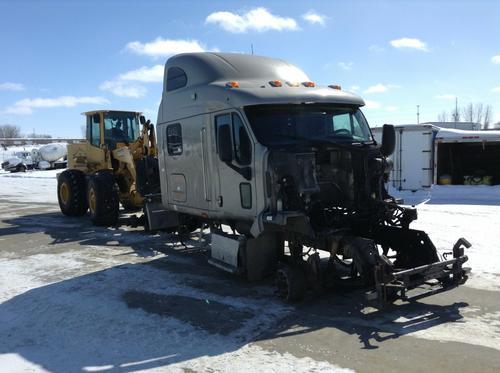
250,142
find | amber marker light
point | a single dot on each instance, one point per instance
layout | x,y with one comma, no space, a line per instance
275,83
309,84
335,86
232,84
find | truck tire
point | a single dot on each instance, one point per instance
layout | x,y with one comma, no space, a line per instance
291,283
71,193
102,196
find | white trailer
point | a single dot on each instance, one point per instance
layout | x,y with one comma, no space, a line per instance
467,155
413,161
426,154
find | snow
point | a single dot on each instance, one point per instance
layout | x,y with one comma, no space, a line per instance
70,313
60,303
448,212
30,186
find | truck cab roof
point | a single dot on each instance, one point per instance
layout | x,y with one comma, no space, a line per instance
87,113
202,82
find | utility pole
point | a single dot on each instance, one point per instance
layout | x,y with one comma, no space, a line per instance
418,114
251,47
456,110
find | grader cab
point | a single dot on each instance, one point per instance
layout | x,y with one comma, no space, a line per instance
103,170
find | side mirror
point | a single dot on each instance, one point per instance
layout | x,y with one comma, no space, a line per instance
225,146
142,120
388,140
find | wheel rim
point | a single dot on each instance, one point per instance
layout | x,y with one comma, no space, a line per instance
92,200
64,193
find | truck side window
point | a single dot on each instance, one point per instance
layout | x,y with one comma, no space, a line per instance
219,121
176,78
95,132
241,142
174,139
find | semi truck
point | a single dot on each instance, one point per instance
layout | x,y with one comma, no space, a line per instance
289,179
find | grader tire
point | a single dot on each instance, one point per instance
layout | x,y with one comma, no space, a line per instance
102,195
71,193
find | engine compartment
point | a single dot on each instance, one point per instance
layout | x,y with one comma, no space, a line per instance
335,187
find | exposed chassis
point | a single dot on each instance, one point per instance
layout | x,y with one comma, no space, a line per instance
409,260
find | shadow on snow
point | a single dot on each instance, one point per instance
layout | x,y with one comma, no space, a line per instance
172,309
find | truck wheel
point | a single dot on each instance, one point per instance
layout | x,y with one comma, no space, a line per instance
102,196
21,168
71,193
291,283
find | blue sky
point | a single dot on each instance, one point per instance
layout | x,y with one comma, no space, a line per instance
60,58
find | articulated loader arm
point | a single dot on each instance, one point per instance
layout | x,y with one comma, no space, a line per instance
149,138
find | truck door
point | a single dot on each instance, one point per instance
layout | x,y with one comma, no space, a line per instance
236,178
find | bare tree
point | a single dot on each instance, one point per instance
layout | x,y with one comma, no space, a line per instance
443,116
488,114
38,136
475,113
468,112
9,131
478,113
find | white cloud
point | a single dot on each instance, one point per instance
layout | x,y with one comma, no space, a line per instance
314,18
496,90
8,86
377,88
123,89
165,47
391,108
446,96
346,65
27,105
257,19
495,59
146,74
125,85
354,88
410,43
372,104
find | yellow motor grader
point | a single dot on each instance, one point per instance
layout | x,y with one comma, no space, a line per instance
103,170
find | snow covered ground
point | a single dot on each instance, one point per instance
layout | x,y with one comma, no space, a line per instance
30,186
78,298
447,213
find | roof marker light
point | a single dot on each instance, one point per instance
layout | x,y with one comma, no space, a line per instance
275,83
309,84
335,86
232,84
293,84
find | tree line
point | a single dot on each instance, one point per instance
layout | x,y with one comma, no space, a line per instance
477,113
8,131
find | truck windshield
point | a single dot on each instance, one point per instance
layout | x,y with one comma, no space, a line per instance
121,127
276,125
